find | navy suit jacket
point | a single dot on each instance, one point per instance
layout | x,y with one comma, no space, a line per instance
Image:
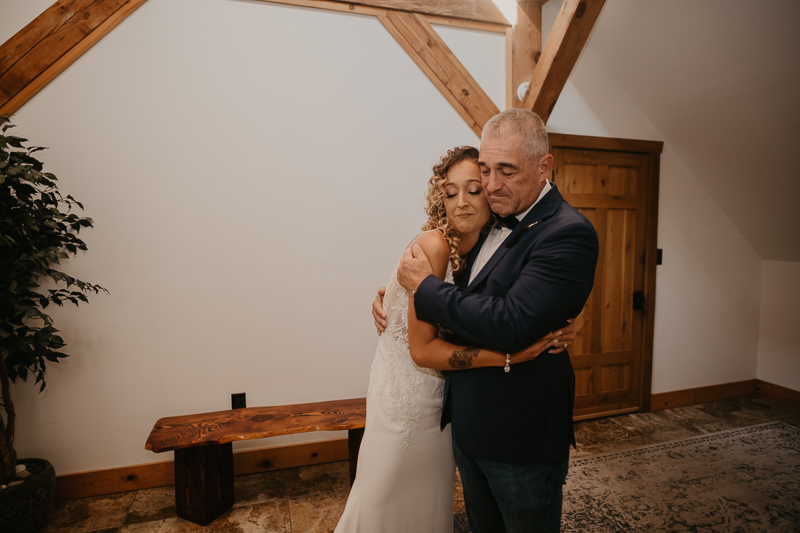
538,278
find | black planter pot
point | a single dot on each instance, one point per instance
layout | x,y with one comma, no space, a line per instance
25,508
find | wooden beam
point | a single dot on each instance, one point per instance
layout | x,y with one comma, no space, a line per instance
476,10
468,24
523,48
51,42
446,72
358,9
567,38
332,5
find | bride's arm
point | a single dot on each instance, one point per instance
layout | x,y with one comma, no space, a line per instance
429,351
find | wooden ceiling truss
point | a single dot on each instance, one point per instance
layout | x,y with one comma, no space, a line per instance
62,33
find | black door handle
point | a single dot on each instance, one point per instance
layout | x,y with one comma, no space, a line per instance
638,300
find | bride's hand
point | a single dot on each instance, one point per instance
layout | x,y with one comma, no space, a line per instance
563,337
558,339
378,314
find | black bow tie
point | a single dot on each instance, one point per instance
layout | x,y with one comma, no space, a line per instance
509,222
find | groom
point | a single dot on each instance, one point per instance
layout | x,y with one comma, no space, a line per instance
512,429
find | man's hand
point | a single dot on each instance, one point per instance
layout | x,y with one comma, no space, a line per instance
414,268
378,314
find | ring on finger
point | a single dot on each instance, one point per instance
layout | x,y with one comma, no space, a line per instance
565,344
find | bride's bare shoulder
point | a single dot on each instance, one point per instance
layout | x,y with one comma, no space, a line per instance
431,240
435,247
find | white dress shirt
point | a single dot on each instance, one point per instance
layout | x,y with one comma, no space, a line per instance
497,236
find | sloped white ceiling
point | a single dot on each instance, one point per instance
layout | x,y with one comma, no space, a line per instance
720,79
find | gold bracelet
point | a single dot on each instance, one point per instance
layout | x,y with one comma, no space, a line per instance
508,363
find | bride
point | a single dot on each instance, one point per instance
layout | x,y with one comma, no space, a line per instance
405,477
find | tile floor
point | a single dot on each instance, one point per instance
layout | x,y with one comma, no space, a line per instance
311,499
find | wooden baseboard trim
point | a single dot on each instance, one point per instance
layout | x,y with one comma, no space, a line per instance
137,477
712,393
778,393
588,416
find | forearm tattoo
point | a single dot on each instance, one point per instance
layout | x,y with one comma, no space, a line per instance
462,359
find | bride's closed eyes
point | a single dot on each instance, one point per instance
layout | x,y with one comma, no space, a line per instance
452,192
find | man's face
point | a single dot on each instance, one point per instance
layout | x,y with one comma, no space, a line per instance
511,181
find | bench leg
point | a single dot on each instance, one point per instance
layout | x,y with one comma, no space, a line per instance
354,437
203,482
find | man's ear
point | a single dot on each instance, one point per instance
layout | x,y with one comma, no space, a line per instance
546,165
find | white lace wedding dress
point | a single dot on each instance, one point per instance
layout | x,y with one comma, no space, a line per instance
406,470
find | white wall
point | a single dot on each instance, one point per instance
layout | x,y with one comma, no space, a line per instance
254,172
779,336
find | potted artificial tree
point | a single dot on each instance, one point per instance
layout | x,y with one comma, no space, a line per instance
38,229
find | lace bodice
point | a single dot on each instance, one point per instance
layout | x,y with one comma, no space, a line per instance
394,374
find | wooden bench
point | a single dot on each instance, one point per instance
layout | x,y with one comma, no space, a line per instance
204,450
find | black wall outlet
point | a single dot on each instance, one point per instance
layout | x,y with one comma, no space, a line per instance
238,400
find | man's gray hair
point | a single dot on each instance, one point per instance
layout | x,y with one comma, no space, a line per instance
524,123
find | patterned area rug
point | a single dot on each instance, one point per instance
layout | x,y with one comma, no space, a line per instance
743,480
739,481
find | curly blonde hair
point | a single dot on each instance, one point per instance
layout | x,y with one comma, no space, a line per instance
437,216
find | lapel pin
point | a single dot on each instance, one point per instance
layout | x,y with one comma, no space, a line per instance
519,235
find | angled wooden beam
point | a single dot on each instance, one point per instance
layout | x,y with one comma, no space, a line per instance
51,42
432,15
567,38
523,48
446,72
477,10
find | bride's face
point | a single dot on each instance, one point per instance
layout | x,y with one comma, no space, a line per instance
466,207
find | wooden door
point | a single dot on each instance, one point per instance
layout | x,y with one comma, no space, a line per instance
613,352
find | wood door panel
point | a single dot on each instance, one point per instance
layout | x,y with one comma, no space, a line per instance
622,181
584,381
582,179
589,402
584,324
615,377
596,172
617,280
610,189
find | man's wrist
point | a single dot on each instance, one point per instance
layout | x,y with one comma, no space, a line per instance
413,292
421,283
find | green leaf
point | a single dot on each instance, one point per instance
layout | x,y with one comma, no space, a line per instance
37,231
14,141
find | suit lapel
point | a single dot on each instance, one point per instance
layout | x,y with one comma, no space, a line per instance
543,210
